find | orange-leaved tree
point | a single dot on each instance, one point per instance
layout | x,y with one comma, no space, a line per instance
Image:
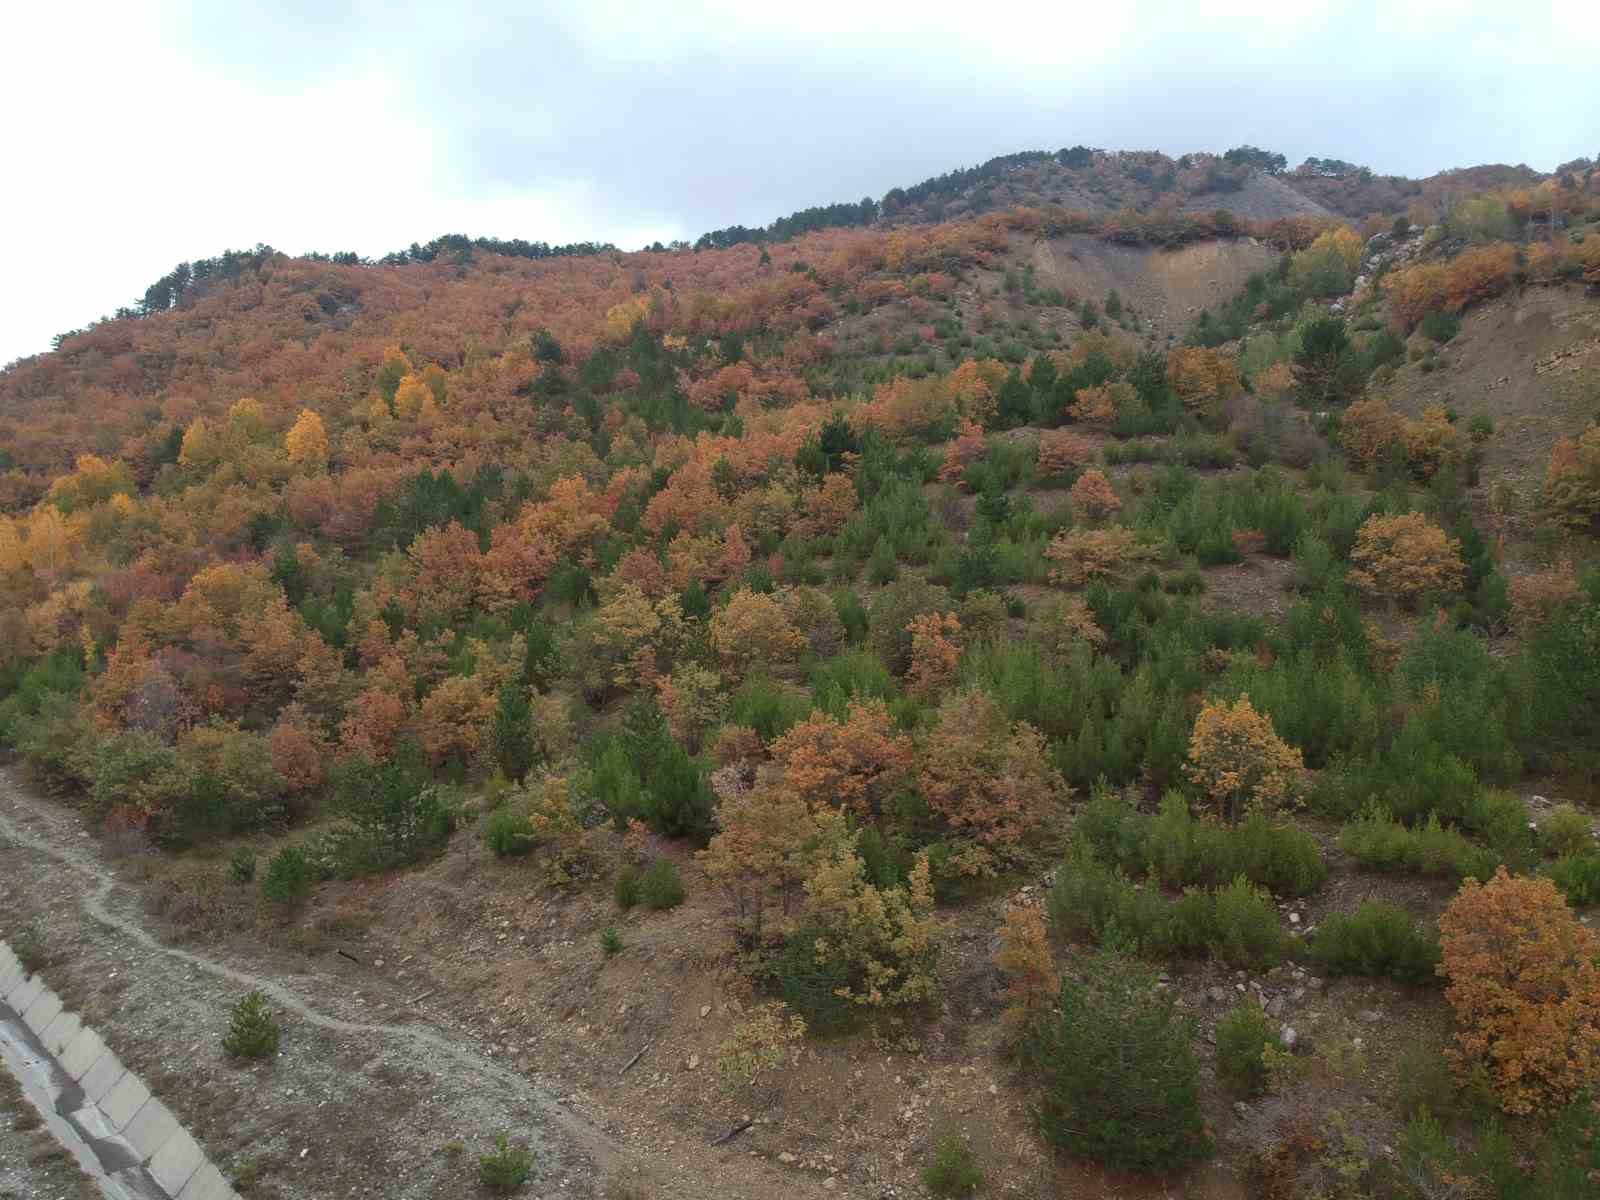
935,651
857,763
753,630
988,777
768,838
1024,958
1572,479
1405,556
1238,760
1093,497
1525,986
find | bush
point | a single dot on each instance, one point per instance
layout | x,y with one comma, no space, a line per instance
505,1168
289,878
29,946
1578,877
1525,987
252,1033
1566,831
1243,1036
507,831
661,886
1091,900
242,867
811,984
1377,939
393,815
954,1170
1182,851
627,888
1380,843
1121,1086
610,941
1244,927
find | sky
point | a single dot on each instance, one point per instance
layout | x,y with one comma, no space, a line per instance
139,135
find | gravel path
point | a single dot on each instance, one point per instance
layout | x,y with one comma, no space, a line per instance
348,1107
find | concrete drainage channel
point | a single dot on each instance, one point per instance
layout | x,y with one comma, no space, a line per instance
122,1137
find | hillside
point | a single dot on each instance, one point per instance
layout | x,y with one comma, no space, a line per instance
815,710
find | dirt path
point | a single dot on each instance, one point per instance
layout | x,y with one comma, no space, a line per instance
349,1107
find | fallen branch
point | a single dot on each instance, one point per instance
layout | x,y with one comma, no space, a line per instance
733,1133
351,957
424,996
629,1064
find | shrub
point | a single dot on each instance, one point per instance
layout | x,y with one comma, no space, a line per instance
1244,927
610,941
1092,900
1024,958
1525,987
507,831
29,946
252,1033
1379,938
1121,1086
1566,831
1181,851
758,1043
289,877
661,885
505,1168
242,867
627,888
1243,1036
953,1171
1578,877
1379,842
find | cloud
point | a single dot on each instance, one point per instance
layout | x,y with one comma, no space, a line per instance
144,135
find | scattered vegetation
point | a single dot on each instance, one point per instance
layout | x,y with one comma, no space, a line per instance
252,1030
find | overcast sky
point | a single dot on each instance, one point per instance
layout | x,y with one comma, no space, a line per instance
137,135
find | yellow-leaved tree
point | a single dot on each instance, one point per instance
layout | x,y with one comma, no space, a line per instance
307,441
1238,760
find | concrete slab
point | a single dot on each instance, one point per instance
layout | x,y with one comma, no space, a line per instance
81,1053
11,976
150,1128
25,993
101,1079
176,1162
208,1183
124,1100
58,1035
42,1011
8,956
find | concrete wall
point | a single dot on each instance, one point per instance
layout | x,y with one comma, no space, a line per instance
133,1134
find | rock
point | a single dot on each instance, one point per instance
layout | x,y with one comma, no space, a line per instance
1288,1037
831,1182
1294,918
1216,995
1314,983
1241,1109
694,1062
787,1159
1275,1007
705,1011
1371,1016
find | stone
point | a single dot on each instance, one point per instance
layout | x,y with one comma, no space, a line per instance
101,1080
1274,1007
207,1183
694,1062
1371,1016
82,1053
705,1011
176,1162
831,1182
46,1008
1216,995
1288,1037
150,1128
59,1034
786,1158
